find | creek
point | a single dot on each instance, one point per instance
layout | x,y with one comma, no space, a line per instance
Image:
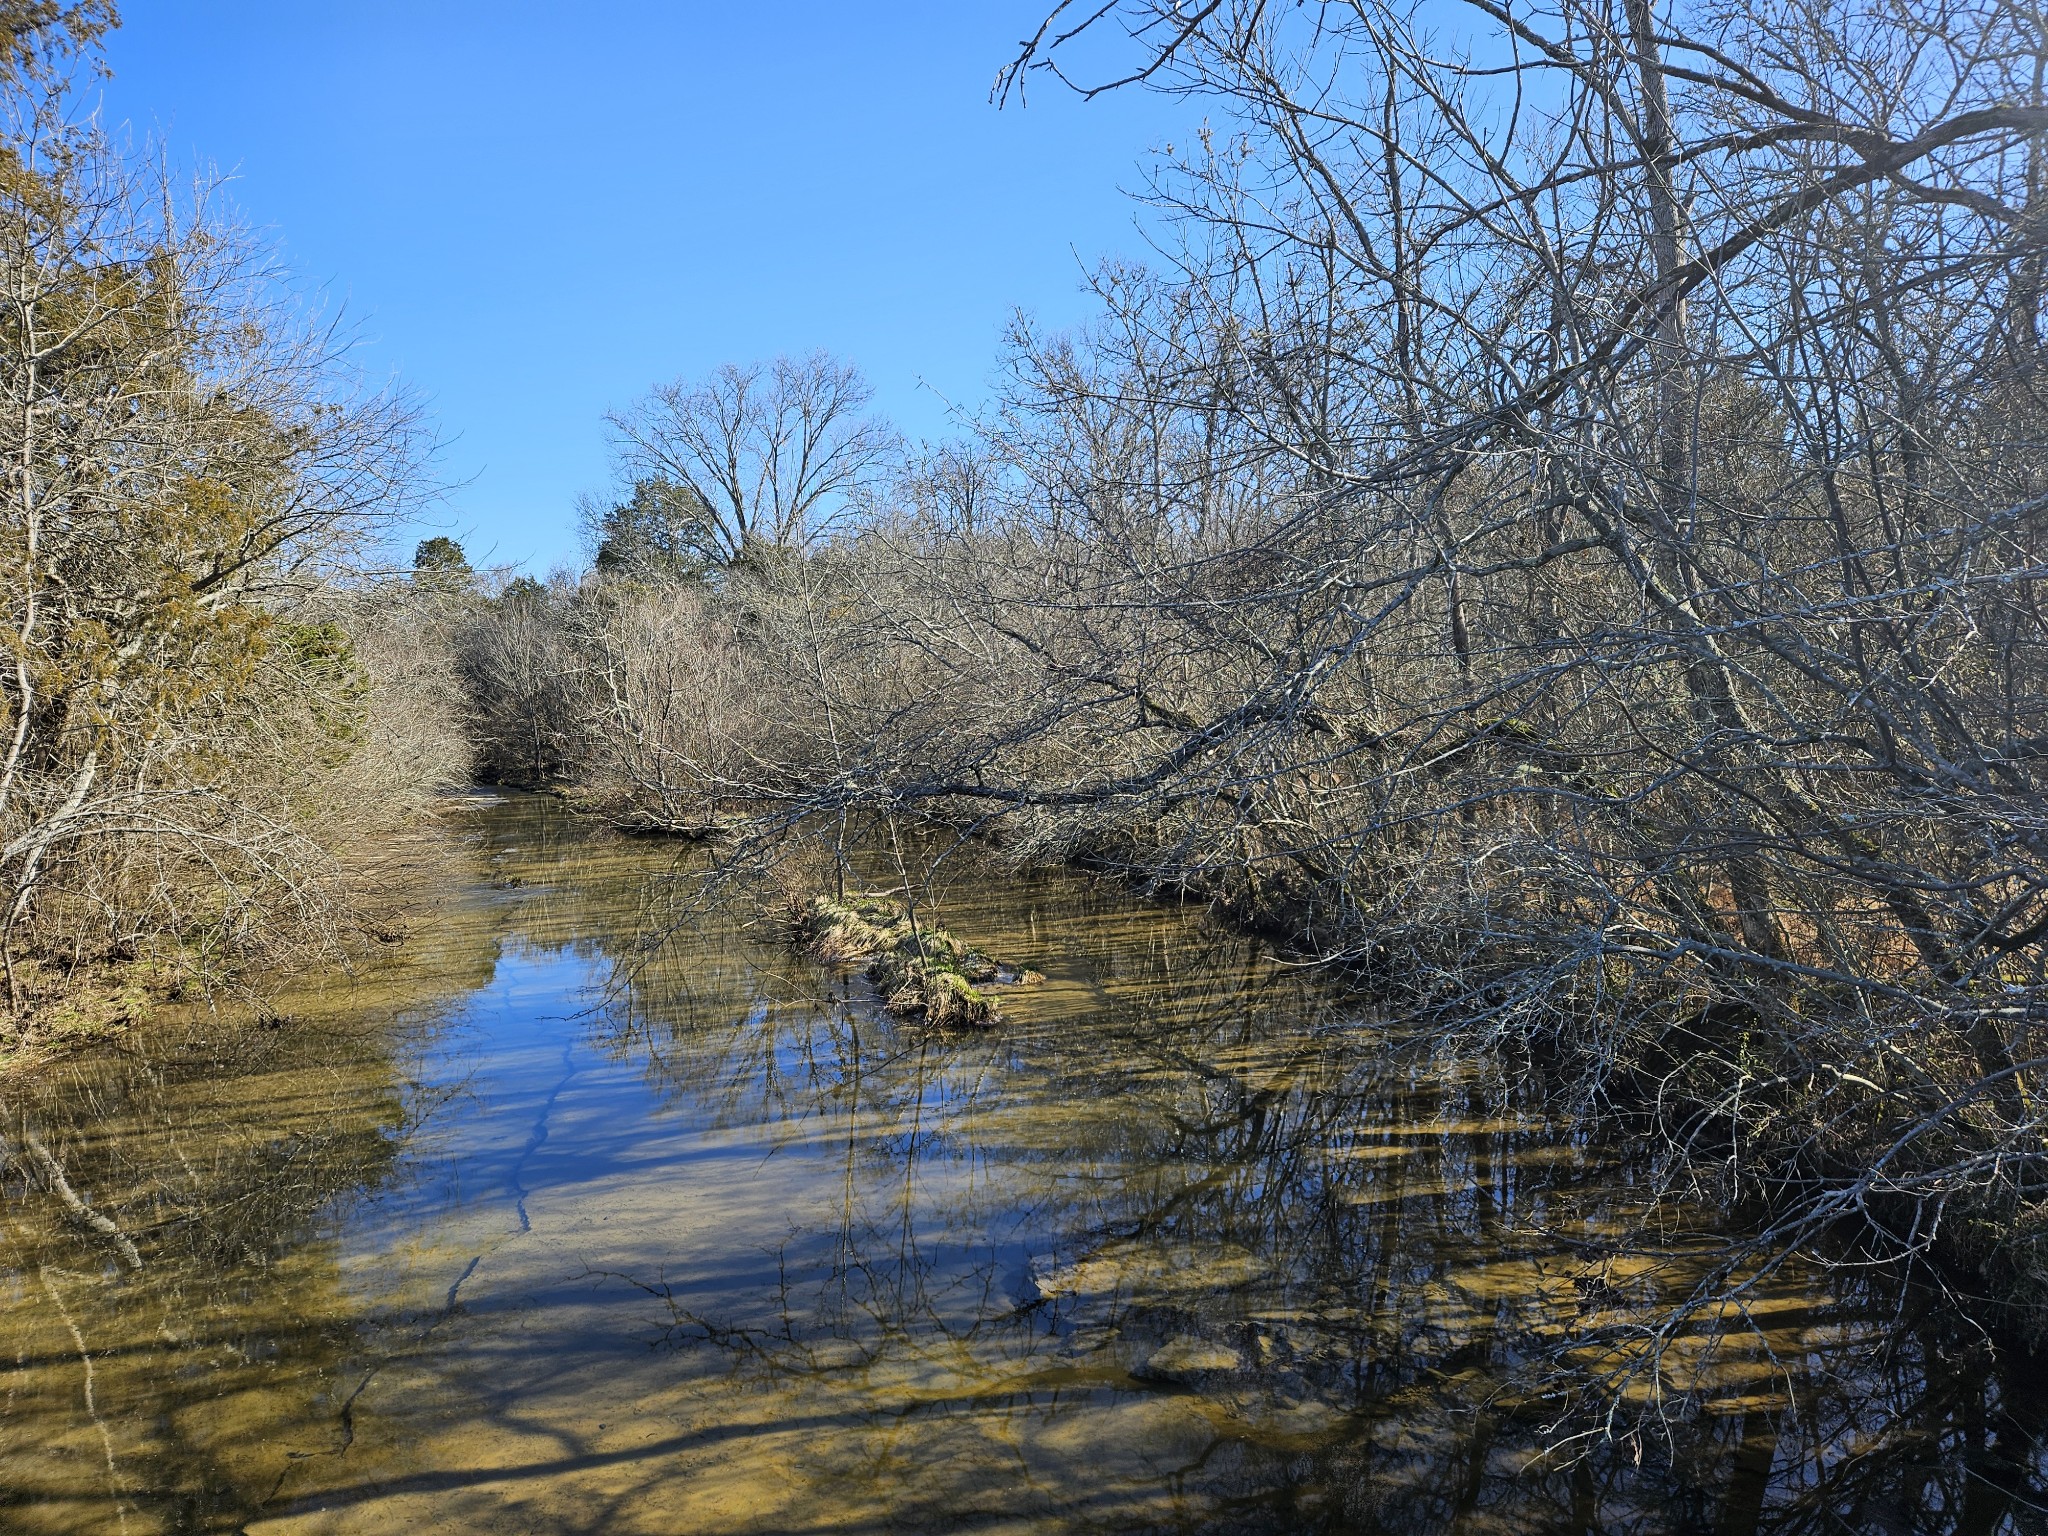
532,1226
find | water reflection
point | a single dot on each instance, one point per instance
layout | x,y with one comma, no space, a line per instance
545,1231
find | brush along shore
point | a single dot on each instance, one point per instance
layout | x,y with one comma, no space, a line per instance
921,970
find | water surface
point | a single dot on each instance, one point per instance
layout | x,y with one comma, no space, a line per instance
531,1227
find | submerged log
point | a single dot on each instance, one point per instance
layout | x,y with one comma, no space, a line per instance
705,829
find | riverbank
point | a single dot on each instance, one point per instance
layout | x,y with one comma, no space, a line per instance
398,881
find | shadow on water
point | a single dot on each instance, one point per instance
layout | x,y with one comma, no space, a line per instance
479,1241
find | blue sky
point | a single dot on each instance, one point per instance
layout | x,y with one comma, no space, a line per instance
534,211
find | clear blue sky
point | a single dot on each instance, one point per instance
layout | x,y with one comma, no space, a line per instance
537,210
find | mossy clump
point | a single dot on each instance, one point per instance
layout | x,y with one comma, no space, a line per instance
839,933
920,969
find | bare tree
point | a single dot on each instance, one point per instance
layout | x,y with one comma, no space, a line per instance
772,457
1563,535
522,665
1650,649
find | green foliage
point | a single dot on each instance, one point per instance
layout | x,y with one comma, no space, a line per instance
187,733
441,562
523,592
38,36
324,670
322,649
659,533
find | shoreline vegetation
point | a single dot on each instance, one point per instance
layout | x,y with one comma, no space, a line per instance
395,885
1562,542
215,719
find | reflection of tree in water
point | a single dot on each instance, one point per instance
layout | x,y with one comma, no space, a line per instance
1216,1185
177,1394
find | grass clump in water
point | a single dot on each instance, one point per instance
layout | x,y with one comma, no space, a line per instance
921,970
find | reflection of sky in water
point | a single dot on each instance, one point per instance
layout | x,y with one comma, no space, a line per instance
537,1135
1183,1245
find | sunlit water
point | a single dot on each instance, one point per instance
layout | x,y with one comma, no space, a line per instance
533,1229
